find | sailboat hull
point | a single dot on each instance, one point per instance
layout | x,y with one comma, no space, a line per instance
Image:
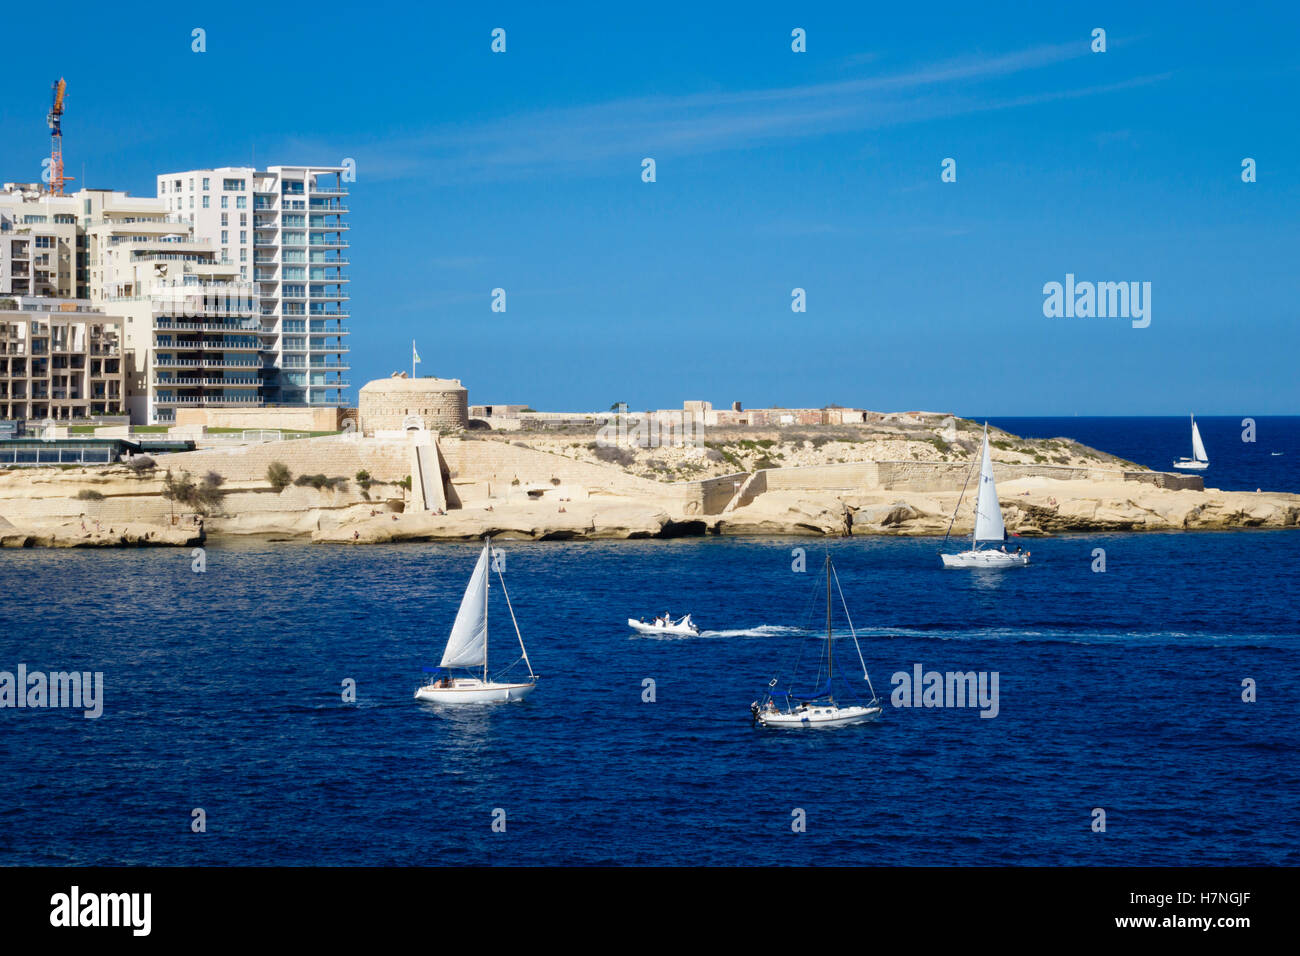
818,716
984,559
464,690
1191,464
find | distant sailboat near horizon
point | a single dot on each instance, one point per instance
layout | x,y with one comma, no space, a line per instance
989,527
783,708
457,679
1199,460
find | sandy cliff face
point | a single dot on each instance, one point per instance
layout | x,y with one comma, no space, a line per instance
518,489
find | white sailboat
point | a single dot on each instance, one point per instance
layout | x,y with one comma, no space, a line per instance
783,708
1199,460
988,525
462,675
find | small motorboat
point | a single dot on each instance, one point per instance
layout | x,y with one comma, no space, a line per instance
682,627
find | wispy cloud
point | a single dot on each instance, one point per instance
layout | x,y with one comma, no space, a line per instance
590,139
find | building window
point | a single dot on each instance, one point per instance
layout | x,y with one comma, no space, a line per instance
233,185
225,237
205,184
225,218
243,236
225,202
205,202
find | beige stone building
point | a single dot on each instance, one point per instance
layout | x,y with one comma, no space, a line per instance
400,403
39,243
59,359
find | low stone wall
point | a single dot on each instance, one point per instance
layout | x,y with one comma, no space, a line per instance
286,419
1164,479
333,456
942,476
501,463
53,496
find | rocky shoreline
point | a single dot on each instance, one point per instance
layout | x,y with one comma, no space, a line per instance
350,489
1043,511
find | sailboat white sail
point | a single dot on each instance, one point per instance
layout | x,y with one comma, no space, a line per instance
467,645
1199,460
784,708
989,527
467,649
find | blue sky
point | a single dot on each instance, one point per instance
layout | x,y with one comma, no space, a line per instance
775,170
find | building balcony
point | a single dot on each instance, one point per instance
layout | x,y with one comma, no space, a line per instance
191,381
328,191
335,243
179,325
212,400
204,363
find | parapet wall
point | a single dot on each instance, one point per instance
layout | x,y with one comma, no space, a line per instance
1164,479
943,476
501,463
287,419
333,456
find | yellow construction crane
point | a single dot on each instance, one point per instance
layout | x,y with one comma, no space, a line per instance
54,118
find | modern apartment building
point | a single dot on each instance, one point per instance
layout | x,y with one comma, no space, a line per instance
283,228
59,359
38,243
190,325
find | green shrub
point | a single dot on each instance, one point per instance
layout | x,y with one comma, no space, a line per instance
87,494
321,482
278,475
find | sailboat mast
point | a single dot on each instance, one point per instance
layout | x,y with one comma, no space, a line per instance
830,650
487,585
974,545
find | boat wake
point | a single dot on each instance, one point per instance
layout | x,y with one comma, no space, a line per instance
762,630
1089,636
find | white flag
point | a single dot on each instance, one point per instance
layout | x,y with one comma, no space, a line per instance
415,356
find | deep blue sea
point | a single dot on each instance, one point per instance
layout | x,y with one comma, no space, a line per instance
1271,462
1119,690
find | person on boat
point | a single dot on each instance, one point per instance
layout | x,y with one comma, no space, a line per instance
1004,549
